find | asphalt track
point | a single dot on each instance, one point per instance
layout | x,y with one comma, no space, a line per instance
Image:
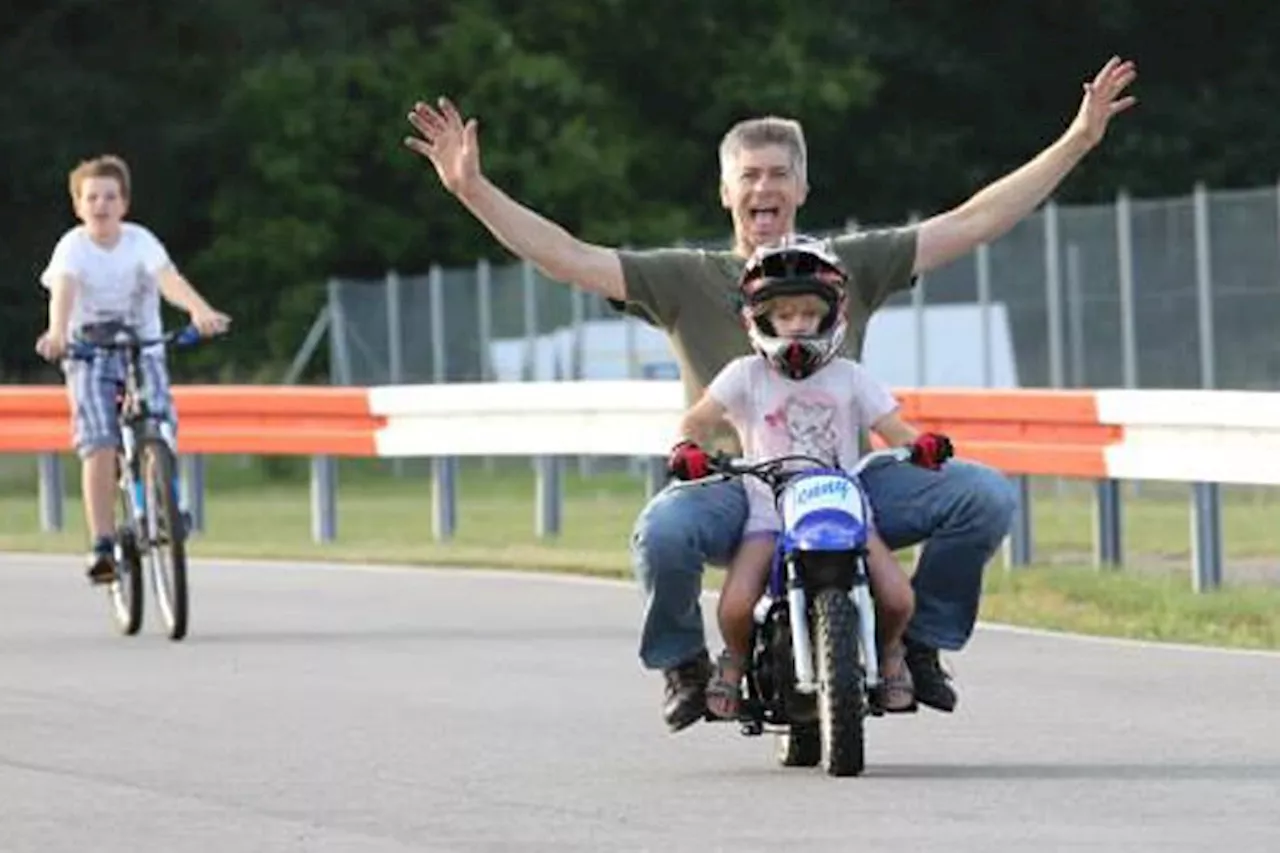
318,708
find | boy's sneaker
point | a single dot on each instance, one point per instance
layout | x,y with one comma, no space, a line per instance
102,562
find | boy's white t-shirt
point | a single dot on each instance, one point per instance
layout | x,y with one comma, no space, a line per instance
820,416
116,283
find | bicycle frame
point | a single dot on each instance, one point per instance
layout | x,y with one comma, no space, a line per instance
137,421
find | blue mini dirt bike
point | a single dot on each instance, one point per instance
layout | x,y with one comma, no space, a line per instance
813,673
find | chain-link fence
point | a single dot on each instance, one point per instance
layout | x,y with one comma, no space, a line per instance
1153,293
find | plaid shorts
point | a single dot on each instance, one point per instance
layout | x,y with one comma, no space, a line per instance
92,388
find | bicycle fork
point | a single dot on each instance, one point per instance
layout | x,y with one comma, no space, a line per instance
130,482
861,595
130,476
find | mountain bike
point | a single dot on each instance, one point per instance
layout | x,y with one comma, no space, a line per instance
151,534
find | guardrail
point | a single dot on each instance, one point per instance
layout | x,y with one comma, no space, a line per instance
1205,438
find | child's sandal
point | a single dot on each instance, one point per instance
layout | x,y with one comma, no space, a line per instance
897,692
724,696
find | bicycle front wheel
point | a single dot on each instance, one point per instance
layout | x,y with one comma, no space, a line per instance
125,592
166,550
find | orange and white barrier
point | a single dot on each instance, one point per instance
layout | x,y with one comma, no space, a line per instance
590,418
1203,437
255,419
1188,436
1193,436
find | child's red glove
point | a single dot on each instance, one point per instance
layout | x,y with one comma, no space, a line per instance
688,461
930,450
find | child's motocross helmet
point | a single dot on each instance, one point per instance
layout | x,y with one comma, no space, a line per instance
797,266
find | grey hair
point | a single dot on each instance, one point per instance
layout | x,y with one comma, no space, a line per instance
763,131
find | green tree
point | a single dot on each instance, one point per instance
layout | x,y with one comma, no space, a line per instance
267,154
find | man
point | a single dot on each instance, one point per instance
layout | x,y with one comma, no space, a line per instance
962,512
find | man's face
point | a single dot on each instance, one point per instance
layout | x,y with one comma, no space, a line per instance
100,205
761,191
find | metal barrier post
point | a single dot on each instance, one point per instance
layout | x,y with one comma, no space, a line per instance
324,498
1107,542
550,496
50,491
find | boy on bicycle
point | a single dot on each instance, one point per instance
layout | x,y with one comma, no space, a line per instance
108,270
799,397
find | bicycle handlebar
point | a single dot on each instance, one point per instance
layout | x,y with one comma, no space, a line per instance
82,350
772,469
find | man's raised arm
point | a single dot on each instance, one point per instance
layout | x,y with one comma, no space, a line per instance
996,208
452,147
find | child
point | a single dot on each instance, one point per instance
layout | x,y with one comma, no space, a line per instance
107,269
800,397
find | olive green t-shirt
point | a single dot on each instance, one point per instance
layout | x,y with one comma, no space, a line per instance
691,294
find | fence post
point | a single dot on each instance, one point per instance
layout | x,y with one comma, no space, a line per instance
49,487
444,469
484,308
529,294
1129,364
920,342
192,467
919,298
1108,550
1206,537
439,351
1206,523
577,369
444,497
982,259
550,496
395,343
529,371
636,465
1053,292
1053,305
395,328
1075,317
1128,318
324,499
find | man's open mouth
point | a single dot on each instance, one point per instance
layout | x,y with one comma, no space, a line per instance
762,217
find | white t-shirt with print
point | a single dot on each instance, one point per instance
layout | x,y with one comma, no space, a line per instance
821,416
116,283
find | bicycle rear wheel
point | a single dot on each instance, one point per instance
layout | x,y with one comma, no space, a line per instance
166,537
125,592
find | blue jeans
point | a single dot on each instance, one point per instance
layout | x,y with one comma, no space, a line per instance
963,511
